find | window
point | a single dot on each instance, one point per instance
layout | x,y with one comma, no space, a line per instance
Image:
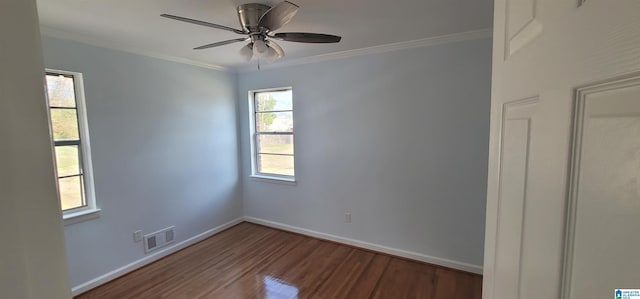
272,134
68,122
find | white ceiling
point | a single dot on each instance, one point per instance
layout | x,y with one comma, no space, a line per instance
137,26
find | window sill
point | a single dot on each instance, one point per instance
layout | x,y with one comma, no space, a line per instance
273,179
80,216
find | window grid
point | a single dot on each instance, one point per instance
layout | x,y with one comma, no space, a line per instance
257,133
62,142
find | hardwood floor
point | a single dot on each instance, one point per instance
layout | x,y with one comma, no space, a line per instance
253,261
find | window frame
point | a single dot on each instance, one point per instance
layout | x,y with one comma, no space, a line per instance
254,135
90,210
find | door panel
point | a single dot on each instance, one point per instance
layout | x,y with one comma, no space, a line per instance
522,26
605,198
547,238
513,181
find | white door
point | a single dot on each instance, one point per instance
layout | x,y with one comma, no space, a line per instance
563,206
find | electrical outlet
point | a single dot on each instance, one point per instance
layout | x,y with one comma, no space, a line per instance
137,236
347,217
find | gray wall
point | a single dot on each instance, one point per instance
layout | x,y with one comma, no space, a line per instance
32,256
164,147
399,139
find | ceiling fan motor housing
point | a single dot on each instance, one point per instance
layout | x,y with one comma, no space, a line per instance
249,15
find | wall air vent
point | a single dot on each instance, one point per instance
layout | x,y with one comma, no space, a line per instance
168,235
158,239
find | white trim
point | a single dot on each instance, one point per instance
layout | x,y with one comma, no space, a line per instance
91,210
370,246
120,47
252,131
85,142
255,174
418,43
273,179
80,216
581,113
98,281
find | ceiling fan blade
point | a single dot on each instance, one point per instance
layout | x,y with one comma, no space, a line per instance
276,48
316,38
202,23
222,43
278,15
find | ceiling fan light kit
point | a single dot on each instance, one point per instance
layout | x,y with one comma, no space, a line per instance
259,47
247,52
258,23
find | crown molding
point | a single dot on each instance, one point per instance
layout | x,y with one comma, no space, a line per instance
50,32
418,43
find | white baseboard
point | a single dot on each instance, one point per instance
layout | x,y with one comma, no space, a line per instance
76,290
370,246
98,281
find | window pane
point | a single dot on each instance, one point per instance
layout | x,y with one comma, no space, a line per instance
67,160
274,122
273,164
61,93
275,144
273,100
71,192
64,123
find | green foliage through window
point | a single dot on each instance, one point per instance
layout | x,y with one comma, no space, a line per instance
273,131
63,112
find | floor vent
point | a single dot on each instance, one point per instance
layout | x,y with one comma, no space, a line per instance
158,239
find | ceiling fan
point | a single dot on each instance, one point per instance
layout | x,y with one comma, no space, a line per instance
259,22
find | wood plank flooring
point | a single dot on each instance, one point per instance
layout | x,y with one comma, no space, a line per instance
253,261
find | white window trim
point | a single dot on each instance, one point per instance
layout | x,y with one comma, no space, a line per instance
91,210
259,176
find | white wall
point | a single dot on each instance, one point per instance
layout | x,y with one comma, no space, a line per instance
32,259
400,140
397,139
164,147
